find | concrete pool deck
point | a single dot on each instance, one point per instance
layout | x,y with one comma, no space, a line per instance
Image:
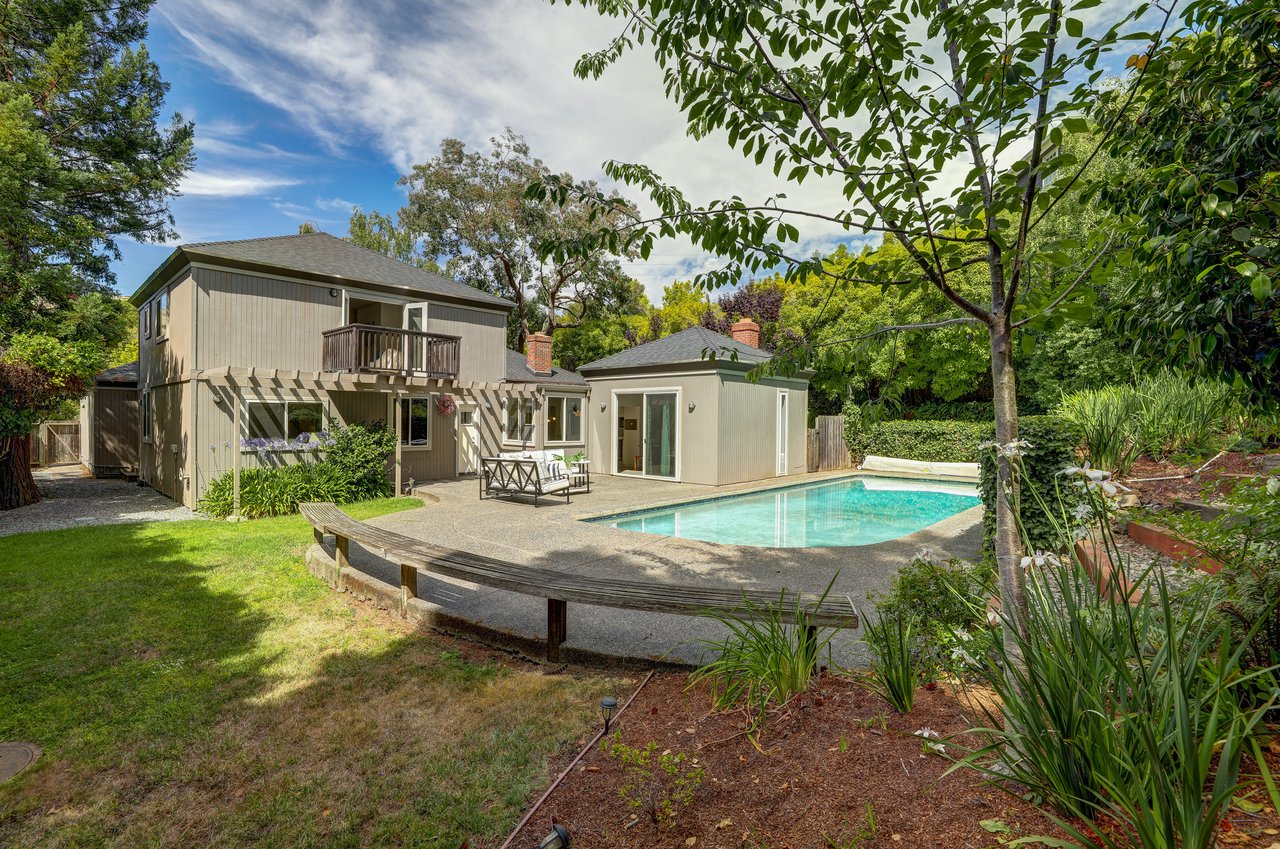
553,536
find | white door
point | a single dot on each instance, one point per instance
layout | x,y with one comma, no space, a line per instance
468,440
782,432
415,320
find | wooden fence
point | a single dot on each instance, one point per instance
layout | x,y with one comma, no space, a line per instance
825,445
56,444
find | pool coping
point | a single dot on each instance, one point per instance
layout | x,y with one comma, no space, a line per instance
746,493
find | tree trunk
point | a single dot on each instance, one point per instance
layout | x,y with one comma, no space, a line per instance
17,486
1008,538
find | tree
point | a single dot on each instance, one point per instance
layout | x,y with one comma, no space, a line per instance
1205,198
85,162
952,144
470,209
380,233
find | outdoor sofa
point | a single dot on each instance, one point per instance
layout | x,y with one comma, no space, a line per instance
535,473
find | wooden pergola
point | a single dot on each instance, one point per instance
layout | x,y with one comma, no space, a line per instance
398,385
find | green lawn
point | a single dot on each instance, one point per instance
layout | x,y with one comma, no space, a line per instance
191,684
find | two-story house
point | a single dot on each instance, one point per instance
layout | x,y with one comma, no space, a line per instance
247,349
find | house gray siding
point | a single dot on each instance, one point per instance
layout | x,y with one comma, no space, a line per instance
483,349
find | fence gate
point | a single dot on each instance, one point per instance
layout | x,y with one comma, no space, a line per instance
826,448
56,444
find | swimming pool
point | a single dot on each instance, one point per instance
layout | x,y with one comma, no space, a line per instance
846,511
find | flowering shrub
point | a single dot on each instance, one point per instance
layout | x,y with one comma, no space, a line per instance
354,469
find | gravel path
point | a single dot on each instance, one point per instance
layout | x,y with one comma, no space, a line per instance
71,500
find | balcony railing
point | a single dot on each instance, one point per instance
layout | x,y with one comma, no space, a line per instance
367,347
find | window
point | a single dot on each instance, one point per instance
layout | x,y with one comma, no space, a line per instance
415,422
519,420
144,416
162,315
144,321
291,420
564,418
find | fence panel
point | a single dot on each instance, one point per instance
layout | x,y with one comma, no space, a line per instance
826,448
56,444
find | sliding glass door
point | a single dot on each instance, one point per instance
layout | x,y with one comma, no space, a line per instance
660,434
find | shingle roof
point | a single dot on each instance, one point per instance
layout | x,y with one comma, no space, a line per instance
127,373
518,371
687,346
329,256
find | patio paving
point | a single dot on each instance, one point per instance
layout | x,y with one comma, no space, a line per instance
552,536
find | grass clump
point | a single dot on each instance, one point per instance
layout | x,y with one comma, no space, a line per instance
895,672
764,661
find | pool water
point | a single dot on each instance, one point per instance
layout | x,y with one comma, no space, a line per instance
847,511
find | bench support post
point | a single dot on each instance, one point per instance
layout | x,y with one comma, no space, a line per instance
811,644
341,548
408,586
557,626
318,534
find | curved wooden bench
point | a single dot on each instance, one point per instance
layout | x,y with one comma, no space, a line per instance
559,588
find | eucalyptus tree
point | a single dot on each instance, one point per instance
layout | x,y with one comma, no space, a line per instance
470,210
939,122
84,161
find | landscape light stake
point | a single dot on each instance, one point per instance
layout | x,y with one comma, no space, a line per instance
608,707
557,839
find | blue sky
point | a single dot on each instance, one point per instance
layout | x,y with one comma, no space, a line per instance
304,108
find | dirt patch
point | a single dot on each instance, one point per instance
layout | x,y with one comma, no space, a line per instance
1214,482
819,765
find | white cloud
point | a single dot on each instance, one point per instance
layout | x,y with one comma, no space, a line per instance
215,184
336,204
401,76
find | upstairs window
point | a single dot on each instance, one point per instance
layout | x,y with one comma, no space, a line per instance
415,422
519,420
564,418
144,321
162,315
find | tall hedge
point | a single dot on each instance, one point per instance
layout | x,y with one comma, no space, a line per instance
925,440
1052,447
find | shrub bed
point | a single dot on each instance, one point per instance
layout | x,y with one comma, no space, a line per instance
1052,447
354,469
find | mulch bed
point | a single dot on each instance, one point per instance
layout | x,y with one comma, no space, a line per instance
1217,480
798,790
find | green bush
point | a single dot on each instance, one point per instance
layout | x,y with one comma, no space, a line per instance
1051,448
661,784
945,603
355,469
359,455
957,411
926,440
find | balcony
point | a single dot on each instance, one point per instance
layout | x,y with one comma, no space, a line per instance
357,348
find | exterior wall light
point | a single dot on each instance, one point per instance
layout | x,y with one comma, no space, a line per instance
557,839
602,406
333,293
608,707
693,405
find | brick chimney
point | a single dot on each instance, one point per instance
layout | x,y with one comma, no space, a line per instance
747,332
537,350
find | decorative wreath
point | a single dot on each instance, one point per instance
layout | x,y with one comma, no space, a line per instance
446,406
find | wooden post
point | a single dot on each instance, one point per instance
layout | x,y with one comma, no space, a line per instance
557,627
235,456
396,403
319,535
408,586
811,643
340,550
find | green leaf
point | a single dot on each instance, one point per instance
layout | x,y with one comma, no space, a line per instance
1075,28
1260,285
996,826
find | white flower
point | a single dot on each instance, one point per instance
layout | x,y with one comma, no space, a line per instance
1008,449
927,734
1040,559
1083,512
1273,486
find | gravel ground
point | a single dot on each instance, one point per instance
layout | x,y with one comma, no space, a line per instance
72,499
